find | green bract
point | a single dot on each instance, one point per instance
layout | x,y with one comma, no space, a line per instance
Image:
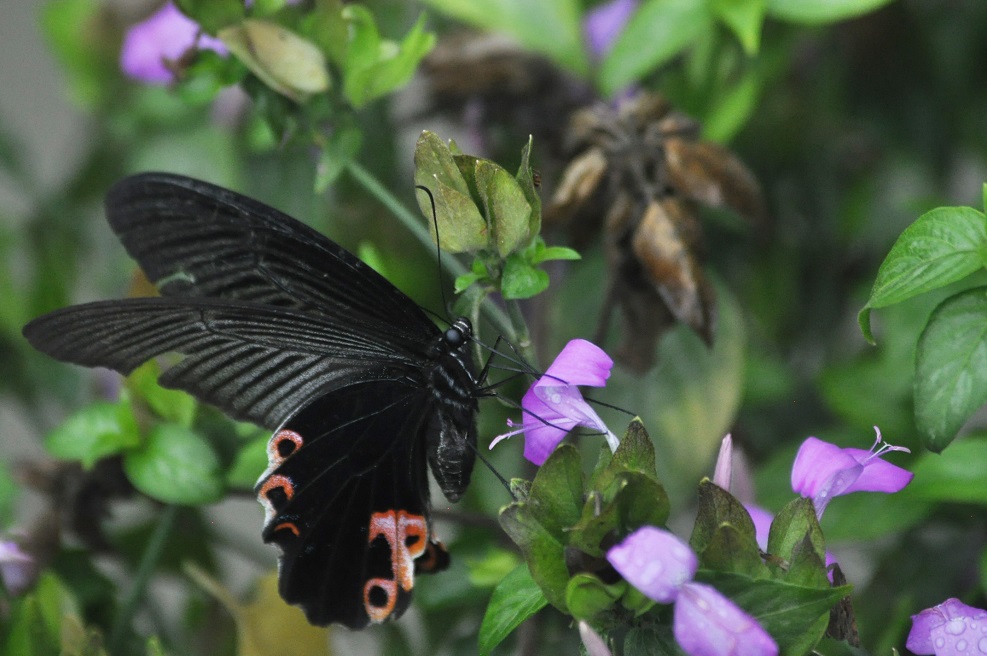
284,61
478,204
482,209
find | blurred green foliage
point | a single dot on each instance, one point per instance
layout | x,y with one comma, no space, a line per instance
857,116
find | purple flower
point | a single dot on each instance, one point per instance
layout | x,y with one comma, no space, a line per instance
822,471
762,524
594,644
603,25
554,405
16,567
151,46
950,628
706,623
655,562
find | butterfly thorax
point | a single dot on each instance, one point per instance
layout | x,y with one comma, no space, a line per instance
451,433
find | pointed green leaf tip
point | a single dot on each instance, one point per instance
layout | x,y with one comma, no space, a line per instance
941,247
460,224
479,206
516,598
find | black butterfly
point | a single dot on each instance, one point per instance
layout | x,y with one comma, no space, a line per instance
280,326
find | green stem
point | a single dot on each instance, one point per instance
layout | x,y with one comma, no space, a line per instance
413,223
521,333
149,561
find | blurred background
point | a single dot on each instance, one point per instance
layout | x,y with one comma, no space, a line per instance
831,134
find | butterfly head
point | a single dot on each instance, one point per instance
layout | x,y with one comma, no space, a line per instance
458,334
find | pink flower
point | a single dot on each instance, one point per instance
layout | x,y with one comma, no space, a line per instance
554,405
150,47
822,471
655,562
949,629
604,23
705,622
17,569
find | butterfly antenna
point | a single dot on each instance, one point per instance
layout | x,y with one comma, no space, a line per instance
438,250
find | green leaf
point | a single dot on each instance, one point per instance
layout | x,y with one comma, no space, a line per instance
375,67
529,23
520,279
954,476
633,500
175,465
86,46
544,554
651,641
172,405
793,524
556,495
635,452
733,108
97,431
526,179
212,15
723,535
819,12
658,31
516,599
505,206
250,461
547,253
33,626
951,367
284,61
941,247
792,614
744,18
460,223
587,596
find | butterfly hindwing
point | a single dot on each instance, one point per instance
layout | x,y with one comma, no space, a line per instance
338,472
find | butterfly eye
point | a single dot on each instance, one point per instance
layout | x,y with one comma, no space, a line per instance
454,337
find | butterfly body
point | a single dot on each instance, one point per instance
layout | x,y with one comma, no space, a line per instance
278,325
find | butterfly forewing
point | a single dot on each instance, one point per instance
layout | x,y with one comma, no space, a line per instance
192,238
276,324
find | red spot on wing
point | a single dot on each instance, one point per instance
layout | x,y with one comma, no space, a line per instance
283,444
407,536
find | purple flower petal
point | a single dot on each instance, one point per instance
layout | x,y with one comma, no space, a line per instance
823,471
706,623
554,405
950,628
723,471
655,562
603,25
594,644
762,524
163,37
17,569
578,363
